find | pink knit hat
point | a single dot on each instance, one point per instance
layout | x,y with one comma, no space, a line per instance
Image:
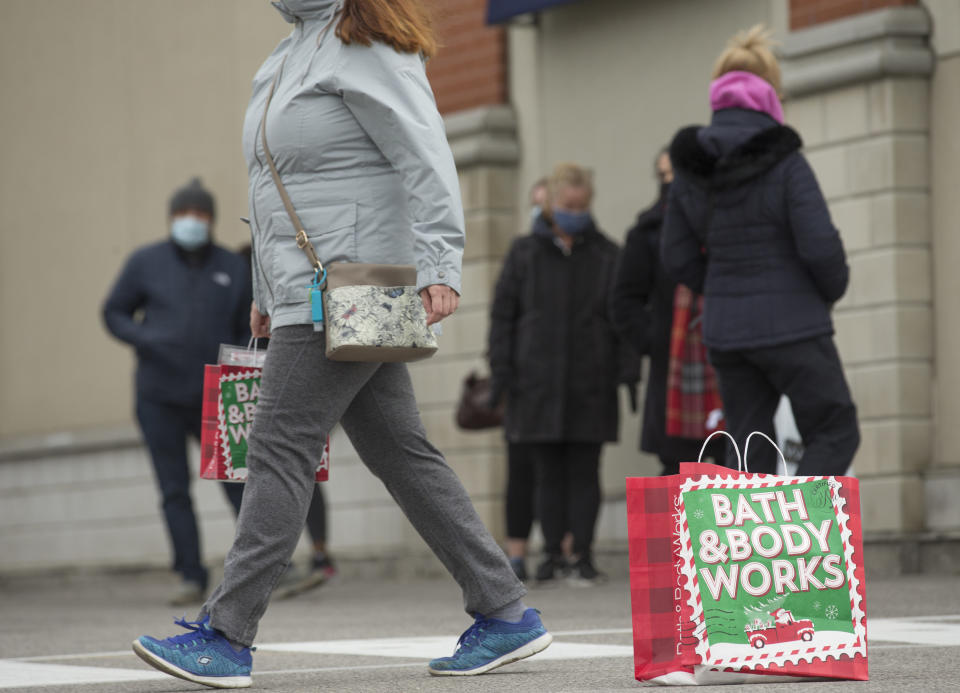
738,89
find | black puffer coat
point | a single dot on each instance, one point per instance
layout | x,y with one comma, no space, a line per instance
553,350
774,263
642,310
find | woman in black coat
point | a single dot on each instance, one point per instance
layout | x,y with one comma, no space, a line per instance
642,311
747,226
555,356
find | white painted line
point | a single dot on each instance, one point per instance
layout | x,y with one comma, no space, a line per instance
18,674
913,631
436,646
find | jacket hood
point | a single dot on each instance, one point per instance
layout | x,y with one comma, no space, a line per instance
303,10
758,151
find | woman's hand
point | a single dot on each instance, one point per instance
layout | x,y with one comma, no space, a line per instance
259,323
439,300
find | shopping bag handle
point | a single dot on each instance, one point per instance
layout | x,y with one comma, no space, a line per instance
253,343
740,461
746,447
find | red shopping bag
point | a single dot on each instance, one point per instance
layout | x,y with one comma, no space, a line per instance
740,578
230,395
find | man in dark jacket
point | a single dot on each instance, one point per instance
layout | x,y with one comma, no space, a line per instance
555,355
748,227
642,310
175,302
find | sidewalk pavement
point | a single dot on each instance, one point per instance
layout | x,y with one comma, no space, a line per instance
73,633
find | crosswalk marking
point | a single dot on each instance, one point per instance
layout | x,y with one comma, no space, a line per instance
48,670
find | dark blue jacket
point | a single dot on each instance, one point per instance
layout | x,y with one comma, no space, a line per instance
772,263
176,313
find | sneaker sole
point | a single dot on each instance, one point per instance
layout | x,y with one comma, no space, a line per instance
166,667
522,652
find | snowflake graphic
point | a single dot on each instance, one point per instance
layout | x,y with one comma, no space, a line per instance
698,513
816,606
831,611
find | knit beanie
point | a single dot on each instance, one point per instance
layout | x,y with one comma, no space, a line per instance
192,196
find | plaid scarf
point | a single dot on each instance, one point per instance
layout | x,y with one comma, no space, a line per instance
692,391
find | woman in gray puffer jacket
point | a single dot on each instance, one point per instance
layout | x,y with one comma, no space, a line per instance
360,147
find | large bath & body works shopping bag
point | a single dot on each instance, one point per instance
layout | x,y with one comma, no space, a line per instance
739,577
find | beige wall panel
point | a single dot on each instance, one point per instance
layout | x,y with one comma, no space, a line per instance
108,106
945,204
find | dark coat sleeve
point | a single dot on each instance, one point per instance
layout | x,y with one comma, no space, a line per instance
504,314
817,240
633,285
126,296
680,247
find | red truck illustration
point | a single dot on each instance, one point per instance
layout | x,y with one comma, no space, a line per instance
784,628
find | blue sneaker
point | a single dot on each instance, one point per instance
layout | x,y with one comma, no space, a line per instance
490,643
201,655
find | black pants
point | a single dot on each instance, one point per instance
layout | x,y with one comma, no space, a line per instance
317,516
568,493
810,374
521,490
165,429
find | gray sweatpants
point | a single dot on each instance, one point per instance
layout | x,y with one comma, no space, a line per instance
302,397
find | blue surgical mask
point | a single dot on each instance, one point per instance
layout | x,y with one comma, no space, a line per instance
535,212
190,233
573,222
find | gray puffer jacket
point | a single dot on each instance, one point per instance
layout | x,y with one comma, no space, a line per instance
361,149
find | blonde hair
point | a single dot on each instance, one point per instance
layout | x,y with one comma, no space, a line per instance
571,174
750,51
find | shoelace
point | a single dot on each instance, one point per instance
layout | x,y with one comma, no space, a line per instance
472,634
198,631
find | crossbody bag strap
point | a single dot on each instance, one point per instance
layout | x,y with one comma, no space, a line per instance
303,242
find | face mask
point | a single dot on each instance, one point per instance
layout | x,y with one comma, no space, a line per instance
535,212
189,232
664,191
573,222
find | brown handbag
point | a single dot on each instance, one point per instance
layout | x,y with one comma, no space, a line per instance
473,410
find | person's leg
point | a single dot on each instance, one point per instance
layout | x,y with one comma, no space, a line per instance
165,434
749,402
193,421
383,423
520,503
551,479
582,470
317,519
302,396
811,375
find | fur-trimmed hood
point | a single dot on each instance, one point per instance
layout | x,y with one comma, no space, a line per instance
746,160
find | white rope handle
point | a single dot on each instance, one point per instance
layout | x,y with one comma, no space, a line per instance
741,461
746,448
253,343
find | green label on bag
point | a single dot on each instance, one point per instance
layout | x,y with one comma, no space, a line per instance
239,406
769,562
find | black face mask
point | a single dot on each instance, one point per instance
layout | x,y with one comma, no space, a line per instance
664,191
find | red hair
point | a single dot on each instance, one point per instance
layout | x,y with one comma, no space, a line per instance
403,24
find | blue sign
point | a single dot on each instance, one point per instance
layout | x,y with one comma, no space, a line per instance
502,10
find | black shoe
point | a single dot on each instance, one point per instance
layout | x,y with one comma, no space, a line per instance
552,568
584,573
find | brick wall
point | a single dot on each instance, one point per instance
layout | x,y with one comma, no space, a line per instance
471,68
805,13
